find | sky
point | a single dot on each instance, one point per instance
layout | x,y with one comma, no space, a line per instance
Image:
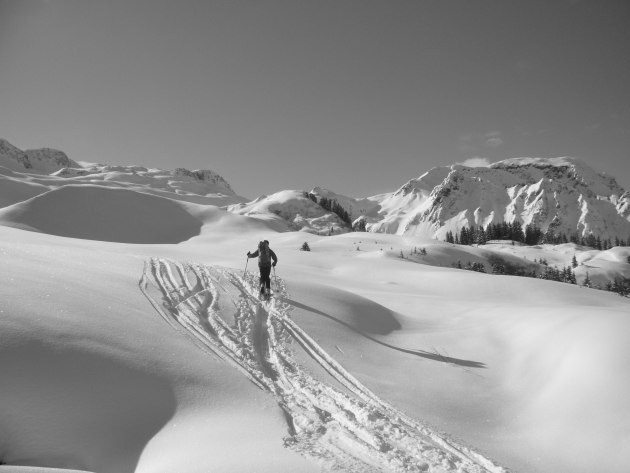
354,96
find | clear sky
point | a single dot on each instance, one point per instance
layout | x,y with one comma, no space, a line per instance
356,96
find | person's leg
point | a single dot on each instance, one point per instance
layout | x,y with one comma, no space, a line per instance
265,282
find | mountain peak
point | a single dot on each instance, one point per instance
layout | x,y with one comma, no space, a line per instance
563,193
36,161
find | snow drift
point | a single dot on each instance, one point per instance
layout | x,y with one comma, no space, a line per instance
106,214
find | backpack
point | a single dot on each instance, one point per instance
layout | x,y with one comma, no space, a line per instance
264,254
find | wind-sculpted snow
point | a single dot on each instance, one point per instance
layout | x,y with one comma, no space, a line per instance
346,429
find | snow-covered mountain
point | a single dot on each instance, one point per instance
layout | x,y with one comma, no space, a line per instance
291,210
561,194
564,195
35,161
26,174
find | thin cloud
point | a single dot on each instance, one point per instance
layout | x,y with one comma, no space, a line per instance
474,143
493,142
493,139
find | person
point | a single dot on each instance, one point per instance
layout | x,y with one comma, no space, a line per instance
265,255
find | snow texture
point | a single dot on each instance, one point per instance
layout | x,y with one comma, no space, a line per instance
351,431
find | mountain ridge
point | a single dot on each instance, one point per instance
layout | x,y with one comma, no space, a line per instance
40,170
561,195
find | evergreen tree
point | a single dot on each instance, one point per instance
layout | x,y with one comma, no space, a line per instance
533,235
574,262
305,247
463,237
481,236
517,232
587,281
310,196
359,225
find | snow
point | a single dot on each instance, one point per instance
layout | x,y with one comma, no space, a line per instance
131,340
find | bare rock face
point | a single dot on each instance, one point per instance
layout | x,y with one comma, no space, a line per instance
13,158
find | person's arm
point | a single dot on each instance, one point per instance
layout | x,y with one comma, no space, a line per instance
253,255
273,257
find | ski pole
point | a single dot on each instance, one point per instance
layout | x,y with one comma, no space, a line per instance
245,272
276,279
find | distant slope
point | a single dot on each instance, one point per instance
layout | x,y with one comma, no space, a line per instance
100,213
52,169
291,210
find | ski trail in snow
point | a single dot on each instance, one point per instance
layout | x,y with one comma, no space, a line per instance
353,431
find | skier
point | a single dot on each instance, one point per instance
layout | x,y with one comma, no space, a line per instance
264,255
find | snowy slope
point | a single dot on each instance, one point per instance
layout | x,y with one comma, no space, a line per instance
290,210
507,366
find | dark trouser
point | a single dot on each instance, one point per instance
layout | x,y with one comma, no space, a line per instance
265,280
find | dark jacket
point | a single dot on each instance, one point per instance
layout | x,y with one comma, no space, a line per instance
262,264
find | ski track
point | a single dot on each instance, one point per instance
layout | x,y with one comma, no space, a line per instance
353,431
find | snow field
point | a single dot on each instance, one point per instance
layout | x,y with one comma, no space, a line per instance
360,427
538,368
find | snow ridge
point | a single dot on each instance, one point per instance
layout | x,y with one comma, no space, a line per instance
351,431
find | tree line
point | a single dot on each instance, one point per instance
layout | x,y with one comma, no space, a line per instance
332,206
530,235
498,265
